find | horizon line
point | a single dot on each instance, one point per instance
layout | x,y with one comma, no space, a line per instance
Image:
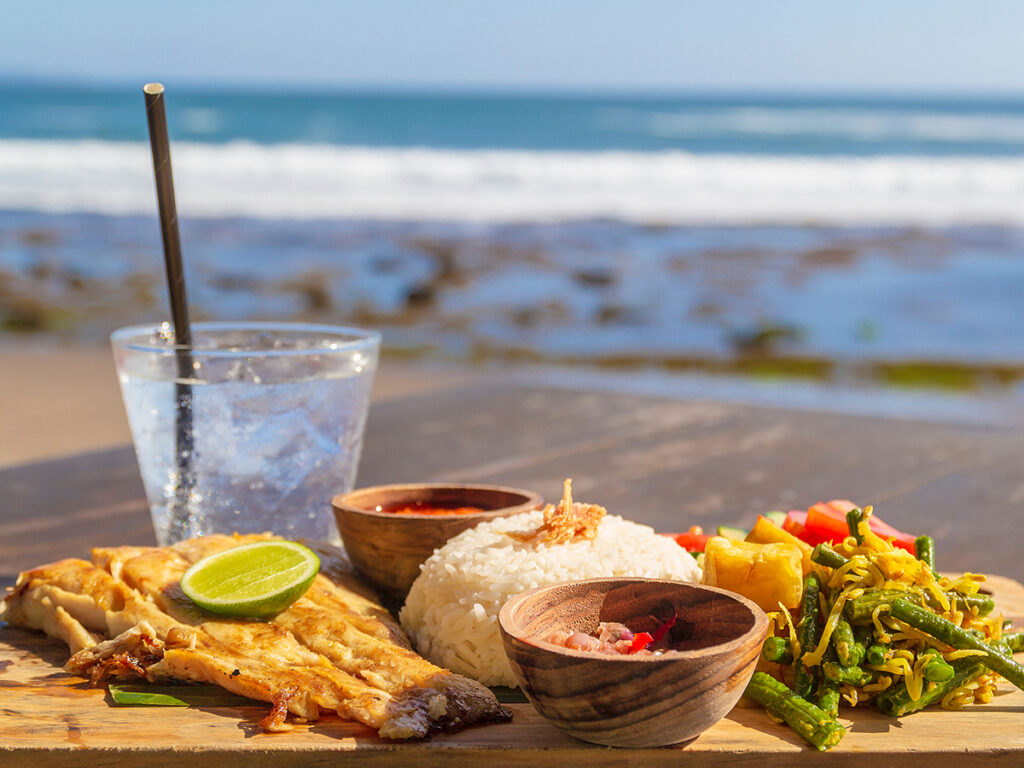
8,79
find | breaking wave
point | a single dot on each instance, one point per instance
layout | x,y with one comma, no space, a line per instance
670,187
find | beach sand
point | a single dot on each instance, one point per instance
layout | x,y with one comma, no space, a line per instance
61,400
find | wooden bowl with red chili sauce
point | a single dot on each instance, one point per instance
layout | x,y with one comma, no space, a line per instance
389,530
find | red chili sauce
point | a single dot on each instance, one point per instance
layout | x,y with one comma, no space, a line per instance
427,508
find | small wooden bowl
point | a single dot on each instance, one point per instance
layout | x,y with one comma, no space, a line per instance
641,700
389,547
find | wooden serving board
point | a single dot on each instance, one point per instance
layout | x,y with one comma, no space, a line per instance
48,718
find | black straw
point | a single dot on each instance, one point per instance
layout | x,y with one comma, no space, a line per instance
161,146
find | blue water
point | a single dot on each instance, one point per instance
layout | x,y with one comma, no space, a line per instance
745,125
845,230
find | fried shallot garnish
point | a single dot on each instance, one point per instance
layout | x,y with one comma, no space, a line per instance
566,521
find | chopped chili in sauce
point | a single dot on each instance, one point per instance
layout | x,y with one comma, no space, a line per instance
613,638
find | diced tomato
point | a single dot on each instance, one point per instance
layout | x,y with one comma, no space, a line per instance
823,523
692,542
795,522
826,522
886,531
829,519
817,537
640,641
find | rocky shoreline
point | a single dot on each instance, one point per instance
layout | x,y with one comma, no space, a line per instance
892,306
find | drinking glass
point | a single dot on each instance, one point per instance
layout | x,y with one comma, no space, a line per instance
253,427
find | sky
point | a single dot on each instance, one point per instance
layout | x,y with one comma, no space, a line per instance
941,46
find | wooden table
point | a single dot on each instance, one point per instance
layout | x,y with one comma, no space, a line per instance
671,463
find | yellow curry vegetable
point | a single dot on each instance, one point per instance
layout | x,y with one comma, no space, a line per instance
768,574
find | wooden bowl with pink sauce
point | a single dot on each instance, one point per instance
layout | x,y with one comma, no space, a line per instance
389,530
634,700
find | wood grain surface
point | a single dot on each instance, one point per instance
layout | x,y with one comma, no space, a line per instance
670,463
51,720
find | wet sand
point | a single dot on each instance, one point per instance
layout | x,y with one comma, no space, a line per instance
61,400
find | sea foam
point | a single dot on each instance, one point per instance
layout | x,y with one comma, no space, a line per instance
670,187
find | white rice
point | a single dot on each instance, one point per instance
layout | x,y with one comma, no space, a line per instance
451,612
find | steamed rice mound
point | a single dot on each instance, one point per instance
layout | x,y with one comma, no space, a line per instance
451,612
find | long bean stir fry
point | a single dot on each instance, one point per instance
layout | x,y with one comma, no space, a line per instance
878,626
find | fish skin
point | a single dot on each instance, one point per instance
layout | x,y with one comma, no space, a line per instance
335,649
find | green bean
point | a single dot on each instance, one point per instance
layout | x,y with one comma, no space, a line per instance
996,659
983,603
808,633
877,654
857,676
829,698
861,608
1014,641
809,721
823,554
896,701
853,520
776,649
864,634
936,669
828,690
849,652
924,548
938,672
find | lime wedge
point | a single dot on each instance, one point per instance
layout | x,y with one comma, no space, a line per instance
252,581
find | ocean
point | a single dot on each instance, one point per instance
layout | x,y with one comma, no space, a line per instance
513,158
798,235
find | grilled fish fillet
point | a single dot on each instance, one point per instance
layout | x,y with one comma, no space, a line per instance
124,616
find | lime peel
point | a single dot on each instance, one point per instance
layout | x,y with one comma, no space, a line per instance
255,580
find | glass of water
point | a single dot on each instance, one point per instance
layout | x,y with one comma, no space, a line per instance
253,427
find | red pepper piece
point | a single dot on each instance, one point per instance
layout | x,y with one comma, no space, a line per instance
886,531
661,631
827,522
692,542
795,522
640,641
